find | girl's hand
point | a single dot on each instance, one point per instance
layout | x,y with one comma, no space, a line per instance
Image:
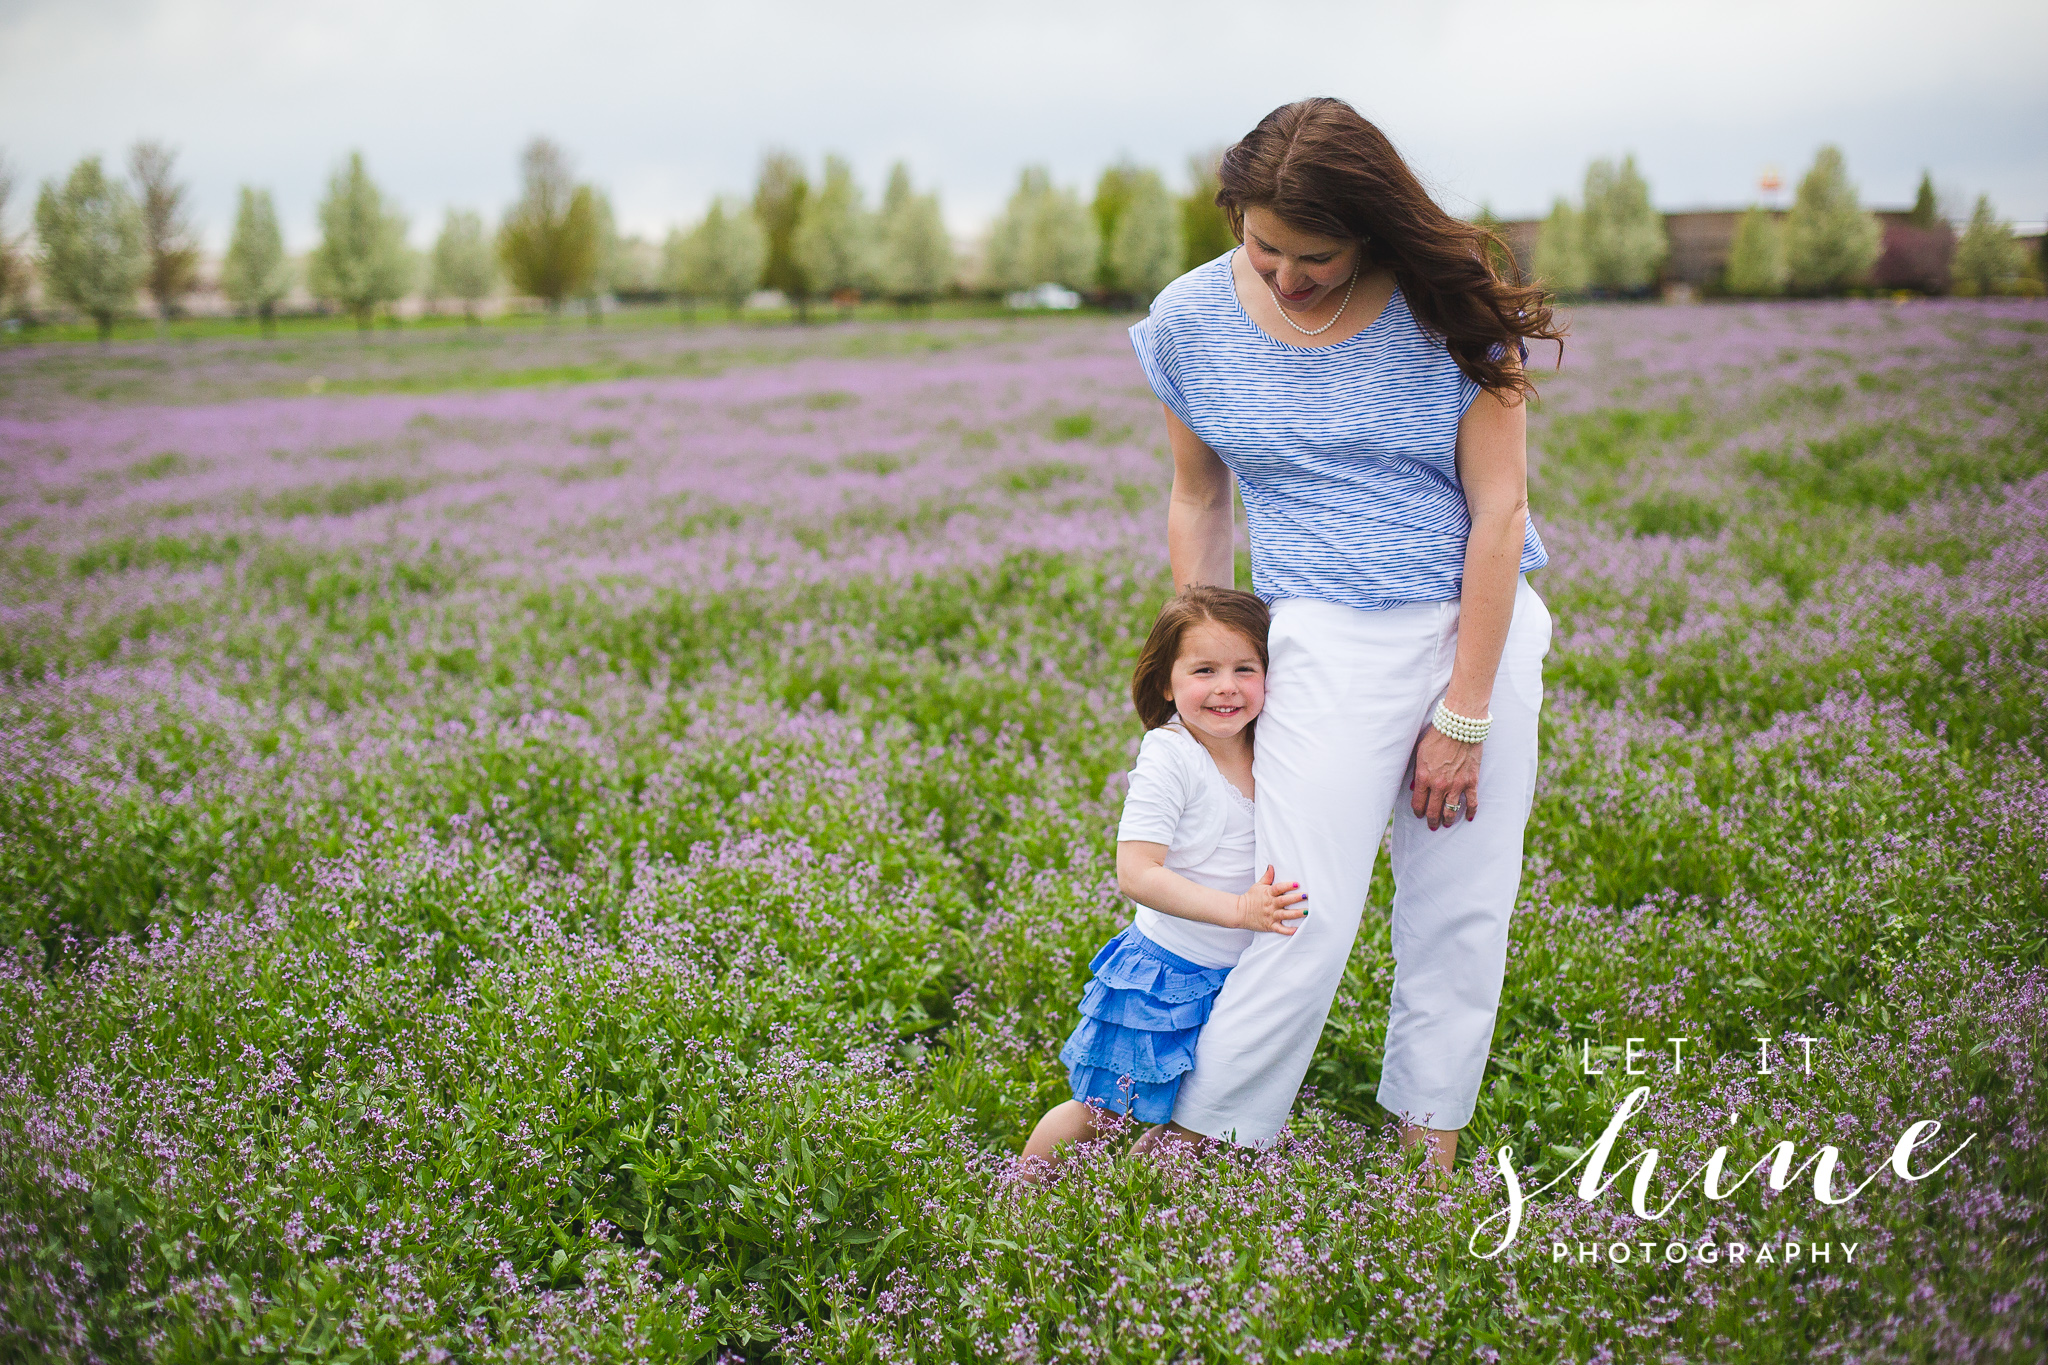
1446,783
1266,908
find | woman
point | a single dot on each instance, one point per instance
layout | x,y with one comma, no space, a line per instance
1355,365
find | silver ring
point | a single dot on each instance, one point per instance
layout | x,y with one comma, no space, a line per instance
1453,807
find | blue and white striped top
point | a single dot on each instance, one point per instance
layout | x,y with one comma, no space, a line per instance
1345,454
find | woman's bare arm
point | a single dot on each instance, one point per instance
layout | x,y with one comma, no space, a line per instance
1493,467
1199,538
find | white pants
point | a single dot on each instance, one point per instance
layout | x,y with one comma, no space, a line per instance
1348,693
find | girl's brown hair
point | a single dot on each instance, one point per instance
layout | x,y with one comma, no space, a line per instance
1320,166
1152,682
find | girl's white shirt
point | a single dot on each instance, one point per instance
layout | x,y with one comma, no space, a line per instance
1178,797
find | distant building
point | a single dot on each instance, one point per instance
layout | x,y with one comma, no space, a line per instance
1700,242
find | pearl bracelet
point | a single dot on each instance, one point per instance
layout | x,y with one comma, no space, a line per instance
1464,729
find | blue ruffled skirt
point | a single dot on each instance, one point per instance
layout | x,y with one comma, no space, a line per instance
1139,1019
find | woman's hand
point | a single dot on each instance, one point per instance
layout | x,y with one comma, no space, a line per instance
1446,785
1266,908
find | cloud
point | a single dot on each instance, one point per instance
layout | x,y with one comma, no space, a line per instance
667,104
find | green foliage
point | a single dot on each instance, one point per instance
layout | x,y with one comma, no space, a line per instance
1926,213
1756,258
1830,242
362,260
635,268
167,236
835,241
1625,242
779,197
1045,235
256,273
342,499
1498,253
91,239
1146,250
915,251
1988,259
463,265
14,262
1560,263
607,256
531,966
722,257
1112,197
1036,478
1204,227
1684,515
1607,440
1073,426
551,240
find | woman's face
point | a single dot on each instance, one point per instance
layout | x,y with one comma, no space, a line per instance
1302,268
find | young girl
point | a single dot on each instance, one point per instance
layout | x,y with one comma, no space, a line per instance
1184,854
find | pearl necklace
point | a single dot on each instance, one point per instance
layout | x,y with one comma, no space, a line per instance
1333,319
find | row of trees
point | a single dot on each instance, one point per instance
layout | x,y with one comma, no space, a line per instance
1615,242
1769,257
100,240
823,241
1826,243
815,241
1130,242
100,243
552,244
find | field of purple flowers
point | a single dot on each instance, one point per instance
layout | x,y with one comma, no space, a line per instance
585,847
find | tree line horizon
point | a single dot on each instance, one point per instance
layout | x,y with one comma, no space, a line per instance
1615,242
99,244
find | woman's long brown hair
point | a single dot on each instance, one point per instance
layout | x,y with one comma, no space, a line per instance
1152,680
1320,166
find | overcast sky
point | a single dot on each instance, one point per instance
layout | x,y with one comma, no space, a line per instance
666,104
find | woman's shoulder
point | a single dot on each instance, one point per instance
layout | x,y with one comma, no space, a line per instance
1195,298
1187,318
1416,352
1397,323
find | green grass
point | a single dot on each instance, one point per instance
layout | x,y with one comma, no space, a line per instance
294,327
414,953
207,367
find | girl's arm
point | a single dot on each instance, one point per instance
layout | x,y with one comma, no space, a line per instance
1199,541
1493,467
1141,874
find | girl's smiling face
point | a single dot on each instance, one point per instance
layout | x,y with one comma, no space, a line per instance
1218,684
